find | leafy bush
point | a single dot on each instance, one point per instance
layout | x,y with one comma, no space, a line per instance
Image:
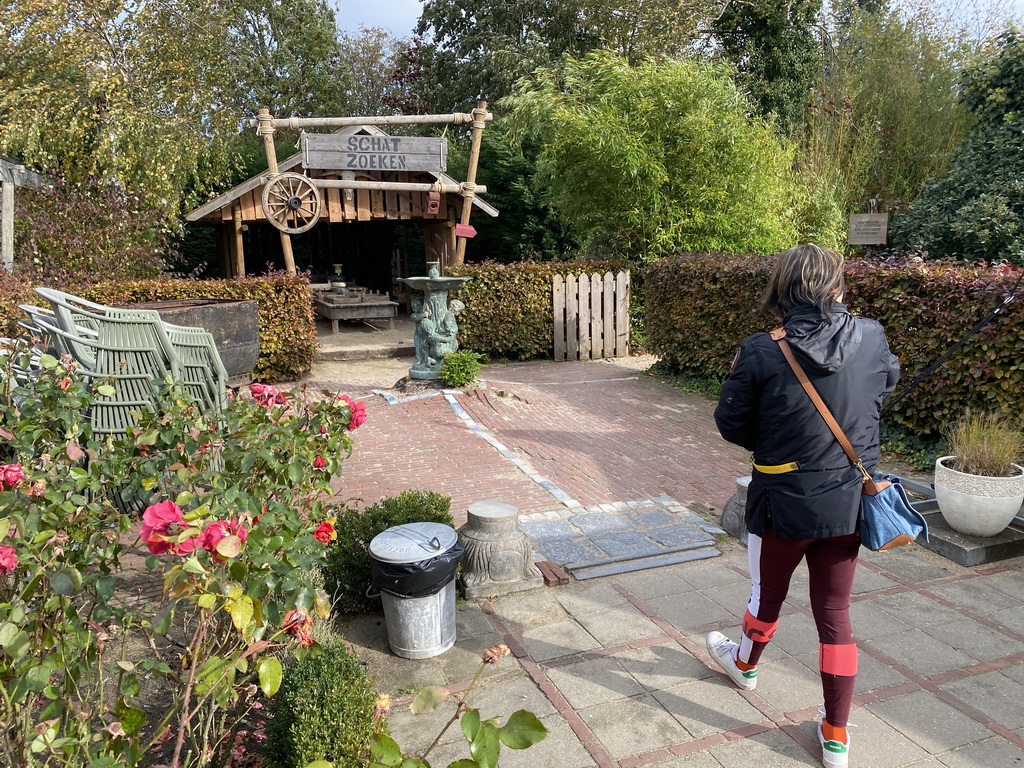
699,307
14,290
288,340
324,710
461,368
653,158
976,209
508,311
347,572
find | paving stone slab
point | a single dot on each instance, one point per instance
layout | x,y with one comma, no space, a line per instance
916,609
642,563
874,742
978,594
553,641
992,752
929,722
619,625
657,667
994,693
708,706
586,598
633,726
563,551
690,610
870,621
975,639
627,544
656,582
594,681
599,522
773,749
924,654
644,519
788,685
679,535
544,530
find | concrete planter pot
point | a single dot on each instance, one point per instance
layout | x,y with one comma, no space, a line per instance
976,505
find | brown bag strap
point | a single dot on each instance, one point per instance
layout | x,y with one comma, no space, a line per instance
779,336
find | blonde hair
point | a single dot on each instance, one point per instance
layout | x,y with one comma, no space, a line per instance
805,274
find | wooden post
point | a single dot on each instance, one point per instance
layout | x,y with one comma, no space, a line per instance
266,130
239,265
7,225
469,190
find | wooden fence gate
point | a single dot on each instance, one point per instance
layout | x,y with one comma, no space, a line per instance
591,315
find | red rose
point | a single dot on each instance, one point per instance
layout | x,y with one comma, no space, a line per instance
325,532
358,411
319,463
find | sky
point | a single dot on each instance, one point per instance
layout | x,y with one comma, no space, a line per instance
399,16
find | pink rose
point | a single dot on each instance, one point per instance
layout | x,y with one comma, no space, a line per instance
157,522
215,532
8,559
12,475
319,463
266,395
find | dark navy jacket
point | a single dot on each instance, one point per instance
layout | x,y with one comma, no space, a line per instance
764,409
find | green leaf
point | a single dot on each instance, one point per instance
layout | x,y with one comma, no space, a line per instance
192,565
207,601
38,678
464,764
8,632
523,729
486,746
47,362
61,584
428,699
385,750
470,723
5,526
241,611
105,587
269,670
229,546
319,764
106,390
162,621
132,719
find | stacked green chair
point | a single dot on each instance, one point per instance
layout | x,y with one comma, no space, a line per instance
189,354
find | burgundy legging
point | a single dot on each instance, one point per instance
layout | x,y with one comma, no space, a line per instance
831,563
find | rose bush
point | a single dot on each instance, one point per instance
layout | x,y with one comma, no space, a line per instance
233,516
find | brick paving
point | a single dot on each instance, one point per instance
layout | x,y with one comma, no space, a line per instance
617,437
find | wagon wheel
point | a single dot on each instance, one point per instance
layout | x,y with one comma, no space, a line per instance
291,203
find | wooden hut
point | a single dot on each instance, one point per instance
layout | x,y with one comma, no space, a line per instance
373,234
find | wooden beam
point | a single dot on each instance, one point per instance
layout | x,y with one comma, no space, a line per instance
7,225
468,190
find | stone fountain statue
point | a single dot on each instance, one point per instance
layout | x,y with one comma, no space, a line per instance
437,324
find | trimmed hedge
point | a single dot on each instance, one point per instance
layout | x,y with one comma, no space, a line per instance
508,306
323,711
14,290
288,341
699,307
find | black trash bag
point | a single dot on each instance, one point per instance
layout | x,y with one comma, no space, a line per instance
422,578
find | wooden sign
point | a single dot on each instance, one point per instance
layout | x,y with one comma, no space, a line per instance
361,152
868,228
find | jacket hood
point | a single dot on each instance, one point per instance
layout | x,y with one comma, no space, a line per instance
824,345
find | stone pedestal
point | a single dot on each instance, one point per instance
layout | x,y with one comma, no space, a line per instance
498,558
734,512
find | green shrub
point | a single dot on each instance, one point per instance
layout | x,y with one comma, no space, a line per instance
508,311
288,340
461,368
323,711
699,307
347,573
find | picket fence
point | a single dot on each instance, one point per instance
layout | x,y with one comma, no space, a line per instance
591,315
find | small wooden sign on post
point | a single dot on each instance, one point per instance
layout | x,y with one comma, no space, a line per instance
868,229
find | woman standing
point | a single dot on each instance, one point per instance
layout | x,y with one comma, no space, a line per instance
804,495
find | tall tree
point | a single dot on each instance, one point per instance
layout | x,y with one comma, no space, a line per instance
376,62
775,51
286,57
975,210
478,46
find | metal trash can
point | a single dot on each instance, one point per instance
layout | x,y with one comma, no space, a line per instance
414,565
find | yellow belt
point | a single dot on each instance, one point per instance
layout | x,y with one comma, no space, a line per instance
775,469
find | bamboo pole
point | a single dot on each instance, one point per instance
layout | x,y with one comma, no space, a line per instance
265,125
297,123
7,225
239,266
395,186
469,188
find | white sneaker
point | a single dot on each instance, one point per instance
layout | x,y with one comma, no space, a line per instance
834,753
723,651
